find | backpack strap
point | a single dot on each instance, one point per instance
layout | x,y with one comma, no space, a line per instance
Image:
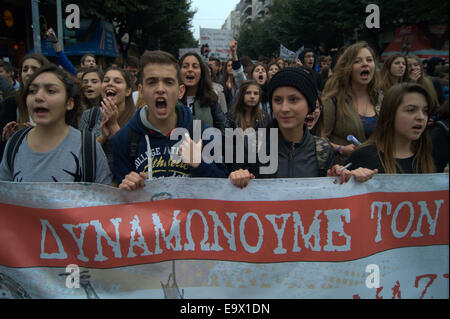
133,142
88,156
93,117
322,154
13,146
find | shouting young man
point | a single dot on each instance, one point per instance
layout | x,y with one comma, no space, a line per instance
150,145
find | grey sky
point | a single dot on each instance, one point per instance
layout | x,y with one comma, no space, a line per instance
211,14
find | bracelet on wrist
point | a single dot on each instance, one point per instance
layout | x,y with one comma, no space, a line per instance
339,150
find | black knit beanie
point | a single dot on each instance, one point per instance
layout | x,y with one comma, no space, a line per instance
295,78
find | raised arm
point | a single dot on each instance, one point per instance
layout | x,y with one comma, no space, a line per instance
238,70
60,56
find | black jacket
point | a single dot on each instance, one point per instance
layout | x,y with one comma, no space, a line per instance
439,138
219,117
293,160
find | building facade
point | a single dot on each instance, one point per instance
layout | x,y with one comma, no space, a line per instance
245,12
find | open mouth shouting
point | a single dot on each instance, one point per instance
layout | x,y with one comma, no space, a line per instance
310,120
161,105
260,77
111,93
190,79
40,111
365,75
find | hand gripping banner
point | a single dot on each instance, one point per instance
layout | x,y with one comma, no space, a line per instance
204,238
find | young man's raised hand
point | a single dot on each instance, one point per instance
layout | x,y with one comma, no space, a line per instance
191,152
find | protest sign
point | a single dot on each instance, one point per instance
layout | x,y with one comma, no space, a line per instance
289,55
184,238
218,42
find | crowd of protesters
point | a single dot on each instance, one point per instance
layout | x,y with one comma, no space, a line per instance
343,115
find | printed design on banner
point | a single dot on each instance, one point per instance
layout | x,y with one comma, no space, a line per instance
288,231
11,289
170,289
169,247
85,284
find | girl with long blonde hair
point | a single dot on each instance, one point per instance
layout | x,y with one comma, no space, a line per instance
351,99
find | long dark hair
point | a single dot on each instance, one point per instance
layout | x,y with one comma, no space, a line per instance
319,128
386,78
205,93
383,136
264,97
238,113
264,67
24,116
86,103
130,108
72,91
226,76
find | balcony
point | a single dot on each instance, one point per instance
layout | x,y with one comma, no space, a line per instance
247,9
260,10
246,20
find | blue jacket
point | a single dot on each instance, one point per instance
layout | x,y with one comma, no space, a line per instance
161,147
65,63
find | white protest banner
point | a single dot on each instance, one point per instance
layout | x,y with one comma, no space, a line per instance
286,54
289,55
217,41
204,238
298,52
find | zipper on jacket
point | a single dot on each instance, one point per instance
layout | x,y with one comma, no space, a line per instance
291,160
